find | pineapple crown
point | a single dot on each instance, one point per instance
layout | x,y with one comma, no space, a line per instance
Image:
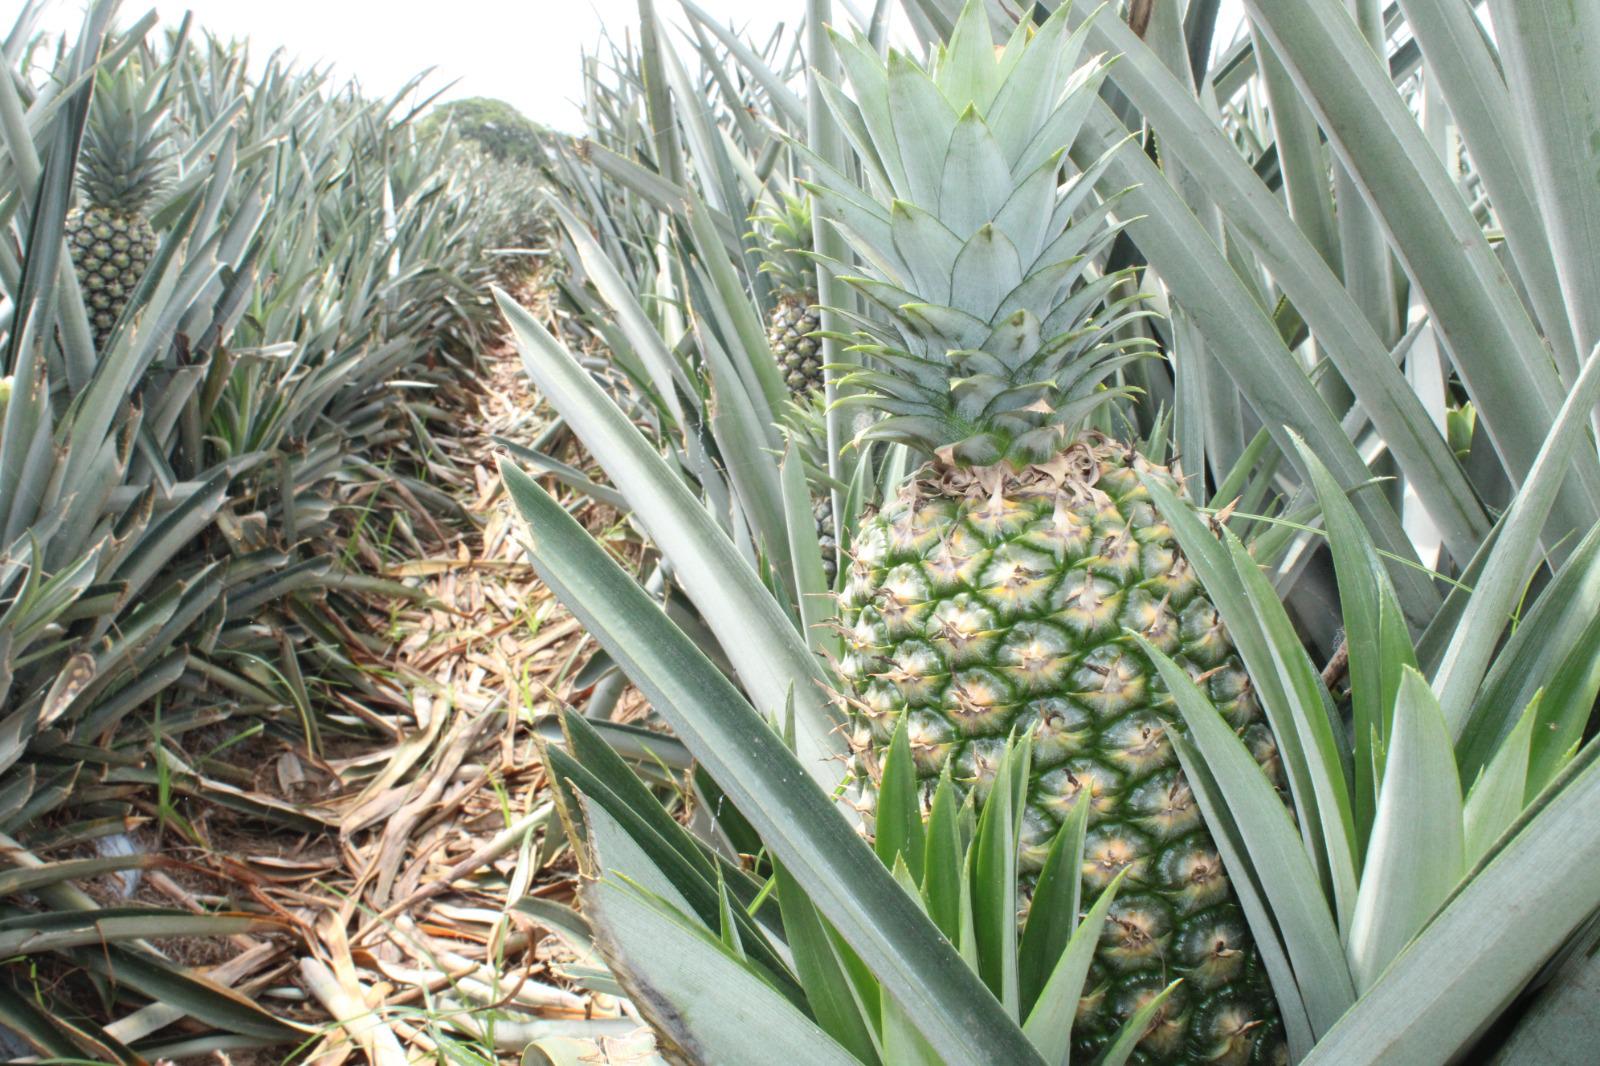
997,333
784,230
126,155
805,427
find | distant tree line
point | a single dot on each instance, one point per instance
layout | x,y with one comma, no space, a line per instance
500,129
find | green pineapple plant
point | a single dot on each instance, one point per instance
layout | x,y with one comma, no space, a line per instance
1380,905
785,234
124,164
1000,590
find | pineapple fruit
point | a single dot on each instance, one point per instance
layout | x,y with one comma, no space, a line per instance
123,166
1000,591
785,234
786,237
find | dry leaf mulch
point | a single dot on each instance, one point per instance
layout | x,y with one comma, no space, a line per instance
405,945
419,948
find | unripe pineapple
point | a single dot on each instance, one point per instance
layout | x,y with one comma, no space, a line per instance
1000,590
786,234
827,536
122,167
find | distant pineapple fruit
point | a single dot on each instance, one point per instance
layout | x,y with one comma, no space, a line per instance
786,236
123,165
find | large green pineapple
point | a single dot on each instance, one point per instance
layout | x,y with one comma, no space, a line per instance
999,591
785,234
122,167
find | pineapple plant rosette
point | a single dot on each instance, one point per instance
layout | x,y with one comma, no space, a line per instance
785,234
124,165
1001,591
1392,906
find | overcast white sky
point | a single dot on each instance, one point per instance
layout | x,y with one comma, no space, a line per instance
524,52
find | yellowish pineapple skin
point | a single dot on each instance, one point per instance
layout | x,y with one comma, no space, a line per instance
989,600
110,250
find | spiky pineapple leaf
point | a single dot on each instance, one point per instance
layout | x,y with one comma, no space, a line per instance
1497,796
1289,689
834,996
1133,1030
897,820
1498,930
1050,1015
1552,648
800,823
1559,1027
707,998
1311,715
772,658
810,580
1053,911
943,860
1417,851
901,1040
1203,148
992,871
1517,551
1240,334
1277,857
1375,632
1493,341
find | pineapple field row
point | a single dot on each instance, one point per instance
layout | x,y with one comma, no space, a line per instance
951,532
243,309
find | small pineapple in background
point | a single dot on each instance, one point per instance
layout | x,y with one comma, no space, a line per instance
805,425
785,234
123,166
5,397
